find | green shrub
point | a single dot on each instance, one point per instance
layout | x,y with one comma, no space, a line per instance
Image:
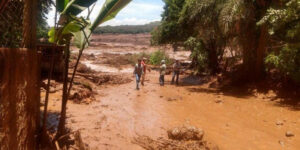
133,59
287,61
198,53
157,56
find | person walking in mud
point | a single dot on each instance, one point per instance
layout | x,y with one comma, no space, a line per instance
163,68
144,70
176,71
138,72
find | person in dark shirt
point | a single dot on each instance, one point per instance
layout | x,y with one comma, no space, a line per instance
176,71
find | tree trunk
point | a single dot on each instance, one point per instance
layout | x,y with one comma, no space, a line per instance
29,23
249,43
260,53
62,121
254,42
213,57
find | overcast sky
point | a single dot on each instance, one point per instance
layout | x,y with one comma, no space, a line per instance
135,13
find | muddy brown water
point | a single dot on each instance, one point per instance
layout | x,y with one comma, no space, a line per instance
232,121
122,113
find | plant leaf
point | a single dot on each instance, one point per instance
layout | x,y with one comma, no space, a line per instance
75,7
109,10
51,35
80,38
72,27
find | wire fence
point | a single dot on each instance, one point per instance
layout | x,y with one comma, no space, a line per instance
11,23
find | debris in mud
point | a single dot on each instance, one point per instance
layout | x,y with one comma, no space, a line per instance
289,134
186,133
164,144
281,143
83,96
279,123
82,92
172,99
100,79
54,86
218,101
82,68
182,138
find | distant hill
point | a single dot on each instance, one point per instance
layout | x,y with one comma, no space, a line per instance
127,29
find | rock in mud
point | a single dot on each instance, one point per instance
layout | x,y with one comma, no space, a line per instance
181,138
279,123
289,134
186,133
218,101
281,143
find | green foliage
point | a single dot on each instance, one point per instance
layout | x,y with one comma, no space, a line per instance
133,59
217,24
73,7
127,29
284,25
157,56
284,22
198,55
169,32
44,6
287,62
79,27
109,10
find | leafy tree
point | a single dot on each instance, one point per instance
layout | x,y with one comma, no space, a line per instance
44,6
284,26
198,55
201,20
157,56
170,32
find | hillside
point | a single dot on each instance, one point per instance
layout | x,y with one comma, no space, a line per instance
127,29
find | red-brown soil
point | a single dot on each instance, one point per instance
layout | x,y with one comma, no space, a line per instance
230,118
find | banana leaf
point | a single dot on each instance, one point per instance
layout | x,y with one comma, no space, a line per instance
73,7
81,38
109,10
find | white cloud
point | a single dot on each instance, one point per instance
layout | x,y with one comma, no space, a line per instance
135,13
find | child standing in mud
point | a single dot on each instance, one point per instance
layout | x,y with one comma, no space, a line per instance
138,72
163,68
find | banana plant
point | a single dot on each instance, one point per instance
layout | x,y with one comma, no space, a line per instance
80,29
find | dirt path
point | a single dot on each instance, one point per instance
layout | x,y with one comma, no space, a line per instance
234,123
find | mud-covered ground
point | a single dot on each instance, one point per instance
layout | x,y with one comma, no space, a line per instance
119,117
